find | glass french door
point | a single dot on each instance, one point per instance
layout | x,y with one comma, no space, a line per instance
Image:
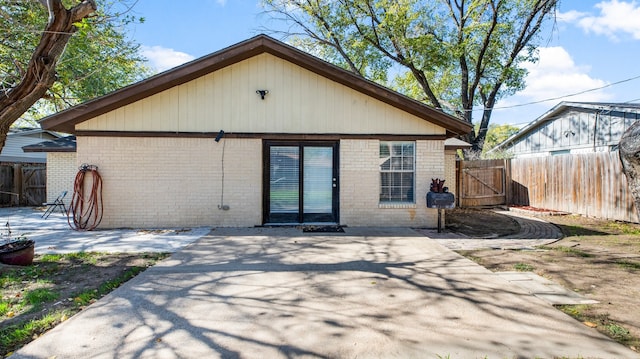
301,184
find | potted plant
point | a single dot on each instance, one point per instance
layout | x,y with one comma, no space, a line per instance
17,251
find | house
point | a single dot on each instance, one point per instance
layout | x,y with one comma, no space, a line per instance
261,133
573,127
22,174
61,165
17,138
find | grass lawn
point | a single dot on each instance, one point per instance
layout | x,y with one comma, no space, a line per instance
34,299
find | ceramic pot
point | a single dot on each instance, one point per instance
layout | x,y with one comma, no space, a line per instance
19,253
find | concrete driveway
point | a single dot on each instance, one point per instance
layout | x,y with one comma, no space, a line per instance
274,293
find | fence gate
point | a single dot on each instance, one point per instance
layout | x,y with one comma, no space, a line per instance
483,183
34,189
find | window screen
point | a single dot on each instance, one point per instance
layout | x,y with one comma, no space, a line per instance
397,171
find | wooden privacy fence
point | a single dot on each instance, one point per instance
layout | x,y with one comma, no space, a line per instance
23,184
590,184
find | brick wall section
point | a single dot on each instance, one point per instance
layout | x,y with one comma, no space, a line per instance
450,170
154,182
61,172
360,185
173,182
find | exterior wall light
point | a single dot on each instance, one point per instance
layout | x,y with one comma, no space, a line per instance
219,136
262,93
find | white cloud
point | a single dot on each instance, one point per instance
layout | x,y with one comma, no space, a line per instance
556,75
569,16
162,58
616,17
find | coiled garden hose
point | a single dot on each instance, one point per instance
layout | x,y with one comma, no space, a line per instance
85,210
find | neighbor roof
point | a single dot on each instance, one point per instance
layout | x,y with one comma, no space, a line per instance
17,138
64,144
66,120
565,106
456,144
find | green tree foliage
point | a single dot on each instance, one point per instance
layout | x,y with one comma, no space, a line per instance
55,54
497,134
452,54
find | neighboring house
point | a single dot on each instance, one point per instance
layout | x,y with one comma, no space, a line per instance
573,127
22,174
261,133
61,165
17,138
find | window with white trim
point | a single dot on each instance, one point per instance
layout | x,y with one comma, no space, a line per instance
397,171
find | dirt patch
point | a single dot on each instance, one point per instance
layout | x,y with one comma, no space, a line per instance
56,287
599,259
480,223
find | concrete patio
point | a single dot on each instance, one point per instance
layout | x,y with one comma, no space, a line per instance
273,292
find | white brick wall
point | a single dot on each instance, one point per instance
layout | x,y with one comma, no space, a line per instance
151,182
360,185
450,170
170,182
61,173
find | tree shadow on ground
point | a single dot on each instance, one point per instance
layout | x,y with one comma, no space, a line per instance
573,230
480,223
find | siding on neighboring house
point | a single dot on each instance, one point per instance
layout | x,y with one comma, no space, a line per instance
12,151
572,127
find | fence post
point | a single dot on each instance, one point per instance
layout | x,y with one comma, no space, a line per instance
507,179
17,184
458,179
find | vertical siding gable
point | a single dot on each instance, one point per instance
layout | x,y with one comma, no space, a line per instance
299,101
576,129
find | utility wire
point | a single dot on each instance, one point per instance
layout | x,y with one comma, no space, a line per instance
558,97
570,95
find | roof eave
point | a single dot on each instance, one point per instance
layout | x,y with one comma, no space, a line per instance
42,149
65,121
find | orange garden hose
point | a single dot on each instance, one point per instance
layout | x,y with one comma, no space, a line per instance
86,204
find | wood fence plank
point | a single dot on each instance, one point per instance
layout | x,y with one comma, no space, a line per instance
589,184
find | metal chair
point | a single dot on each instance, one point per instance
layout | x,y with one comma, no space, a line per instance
51,206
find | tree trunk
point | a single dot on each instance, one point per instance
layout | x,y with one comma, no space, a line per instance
41,70
629,149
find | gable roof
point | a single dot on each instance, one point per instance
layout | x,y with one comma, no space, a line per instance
563,107
456,144
66,120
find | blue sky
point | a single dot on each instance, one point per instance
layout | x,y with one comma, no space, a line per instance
595,43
